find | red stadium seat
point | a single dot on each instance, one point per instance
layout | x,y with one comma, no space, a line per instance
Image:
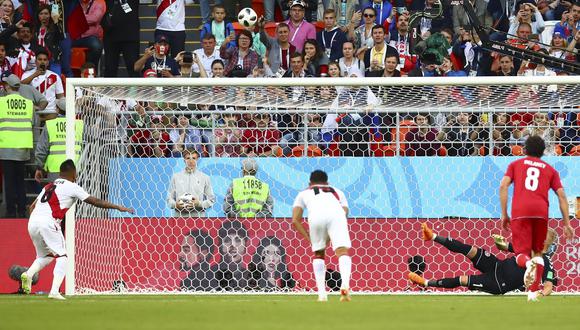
319,25
517,150
391,149
313,151
270,29
78,58
442,151
558,149
575,151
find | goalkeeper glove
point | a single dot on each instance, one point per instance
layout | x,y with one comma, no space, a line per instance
500,242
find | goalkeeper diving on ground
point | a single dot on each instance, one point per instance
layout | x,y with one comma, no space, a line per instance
497,276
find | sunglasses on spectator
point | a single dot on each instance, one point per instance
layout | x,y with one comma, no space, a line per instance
369,15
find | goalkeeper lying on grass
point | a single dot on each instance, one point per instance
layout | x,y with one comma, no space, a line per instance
497,276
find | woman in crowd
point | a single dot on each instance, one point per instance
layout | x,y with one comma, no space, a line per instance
315,60
49,35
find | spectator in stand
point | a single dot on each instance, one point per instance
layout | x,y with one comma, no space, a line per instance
122,35
524,15
45,81
207,54
92,39
363,35
291,129
227,138
315,59
159,142
233,7
334,70
374,58
461,19
232,274
261,140
171,23
446,69
570,23
428,66
5,61
309,13
467,51
217,27
300,28
24,47
268,266
8,15
279,49
430,26
257,45
332,37
347,17
544,128
139,121
49,35
400,41
391,63
217,69
502,134
459,136
549,9
506,66
297,70
384,11
349,62
193,182
194,257
241,60
184,137
270,9
157,58
559,47
422,140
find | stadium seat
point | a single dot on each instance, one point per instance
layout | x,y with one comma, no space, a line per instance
391,149
313,151
517,150
270,29
319,25
575,151
442,151
78,58
237,27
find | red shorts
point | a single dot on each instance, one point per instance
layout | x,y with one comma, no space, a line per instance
529,234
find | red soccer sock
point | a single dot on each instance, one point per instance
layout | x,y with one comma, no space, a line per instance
521,260
539,273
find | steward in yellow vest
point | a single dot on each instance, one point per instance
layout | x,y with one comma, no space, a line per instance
248,197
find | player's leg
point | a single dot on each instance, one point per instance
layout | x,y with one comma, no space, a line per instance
539,233
451,244
447,283
54,240
522,240
340,238
319,240
43,257
58,276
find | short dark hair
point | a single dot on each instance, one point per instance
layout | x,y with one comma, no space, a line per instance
42,51
282,25
535,146
297,54
88,65
203,241
187,152
208,36
247,34
67,166
318,176
378,26
218,61
232,226
218,7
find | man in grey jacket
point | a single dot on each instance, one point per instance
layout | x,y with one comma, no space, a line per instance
279,49
195,184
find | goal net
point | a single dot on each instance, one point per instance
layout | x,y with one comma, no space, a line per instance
404,151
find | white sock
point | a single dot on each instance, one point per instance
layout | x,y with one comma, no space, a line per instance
38,265
538,260
319,274
433,238
59,273
345,265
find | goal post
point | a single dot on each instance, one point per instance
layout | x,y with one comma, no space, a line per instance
404,150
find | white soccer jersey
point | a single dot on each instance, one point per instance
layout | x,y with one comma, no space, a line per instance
171,14
321,200
55,199
49,84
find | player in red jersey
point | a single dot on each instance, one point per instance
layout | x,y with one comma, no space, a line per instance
532,178
46,213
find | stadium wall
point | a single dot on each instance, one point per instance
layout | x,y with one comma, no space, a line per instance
391,187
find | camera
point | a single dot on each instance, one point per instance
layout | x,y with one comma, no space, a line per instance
187,58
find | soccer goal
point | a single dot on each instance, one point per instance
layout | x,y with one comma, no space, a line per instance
405,151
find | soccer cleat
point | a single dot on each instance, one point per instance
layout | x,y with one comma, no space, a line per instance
25,283
56,296
344,295
530,274
533,296
417,279
500,242
322,298
426,232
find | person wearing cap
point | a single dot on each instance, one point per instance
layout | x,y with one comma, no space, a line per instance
310,8
248,196
300,28
193,182
16,140
157,59
9,80
50,150
171,23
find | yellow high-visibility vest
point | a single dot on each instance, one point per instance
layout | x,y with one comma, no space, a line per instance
16,114
56,129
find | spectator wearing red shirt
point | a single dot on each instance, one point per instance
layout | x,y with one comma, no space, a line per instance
422,140
261,140
92,38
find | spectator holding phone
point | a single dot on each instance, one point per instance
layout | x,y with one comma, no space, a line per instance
241,59
156,58
45,81
527,13
49,34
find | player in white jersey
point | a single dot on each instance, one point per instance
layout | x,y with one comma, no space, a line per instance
47,211
327,210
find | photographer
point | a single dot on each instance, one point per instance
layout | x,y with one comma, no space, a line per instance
186,61
44,80
156,58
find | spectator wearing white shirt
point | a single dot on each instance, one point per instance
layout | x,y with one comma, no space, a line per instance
171,23
207,53
45,81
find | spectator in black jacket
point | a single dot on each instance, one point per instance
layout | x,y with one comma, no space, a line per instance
121,36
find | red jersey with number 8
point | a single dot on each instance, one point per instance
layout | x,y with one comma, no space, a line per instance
532,178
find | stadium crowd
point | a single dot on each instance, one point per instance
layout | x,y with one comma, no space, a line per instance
40,40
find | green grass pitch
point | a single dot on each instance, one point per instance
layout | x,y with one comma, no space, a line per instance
288,312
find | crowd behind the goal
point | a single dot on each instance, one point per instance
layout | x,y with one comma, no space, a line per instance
40,42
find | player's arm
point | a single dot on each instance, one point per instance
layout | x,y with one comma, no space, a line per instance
548,288
503,200
563,202
107,205
297,213
32,206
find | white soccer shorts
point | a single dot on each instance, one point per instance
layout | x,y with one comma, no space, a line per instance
323,228
47,238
